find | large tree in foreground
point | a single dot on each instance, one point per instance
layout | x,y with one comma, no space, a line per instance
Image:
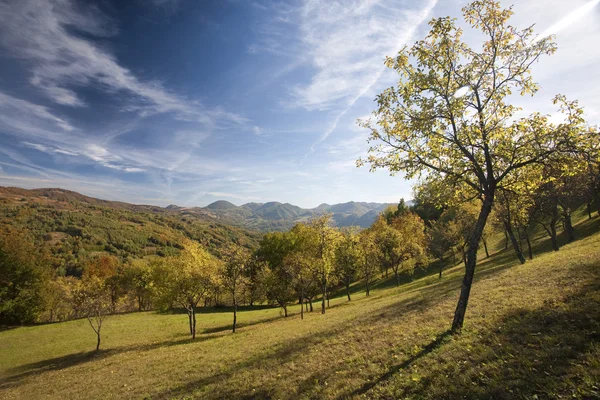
449,120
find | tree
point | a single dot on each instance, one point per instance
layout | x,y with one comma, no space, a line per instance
277,277
233,274
92,299
400,241
348,258
109,270
254,274
369,258
138,279
187,279
449,116
298,265
22,279
319,240
439,242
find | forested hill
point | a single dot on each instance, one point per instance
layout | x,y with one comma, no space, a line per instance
74,227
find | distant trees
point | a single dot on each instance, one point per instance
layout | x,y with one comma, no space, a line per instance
449,116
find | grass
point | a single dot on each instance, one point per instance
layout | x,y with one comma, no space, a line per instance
532,331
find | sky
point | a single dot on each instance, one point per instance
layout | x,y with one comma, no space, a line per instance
190,101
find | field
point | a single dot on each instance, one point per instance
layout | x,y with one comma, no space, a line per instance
532,332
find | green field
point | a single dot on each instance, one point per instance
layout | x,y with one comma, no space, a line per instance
532,332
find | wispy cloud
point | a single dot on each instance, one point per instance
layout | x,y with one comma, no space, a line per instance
570,19
54,36
347,42
26,117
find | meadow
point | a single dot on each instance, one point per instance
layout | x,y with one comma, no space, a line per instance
532,331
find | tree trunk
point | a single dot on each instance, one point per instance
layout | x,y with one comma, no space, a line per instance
194,322
301,305
397,276
190,321
461,307
528,241
505,240
569,230
367,286
98,342
348,290
589,210
464,257
324,295
311,304
513,239
306,305
553,237
234,312
441,269
285,311
487,253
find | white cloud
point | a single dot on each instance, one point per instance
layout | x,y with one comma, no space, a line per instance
25,117
347,42
44,33
570,19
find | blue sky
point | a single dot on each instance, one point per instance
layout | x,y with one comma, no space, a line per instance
187,102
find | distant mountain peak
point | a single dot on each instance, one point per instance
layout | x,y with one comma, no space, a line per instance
173,207
221,205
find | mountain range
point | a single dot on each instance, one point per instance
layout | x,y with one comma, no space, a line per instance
282,216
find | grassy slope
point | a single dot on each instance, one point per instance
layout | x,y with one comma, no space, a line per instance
531,330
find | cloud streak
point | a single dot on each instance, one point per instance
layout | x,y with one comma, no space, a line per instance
348,60
50,34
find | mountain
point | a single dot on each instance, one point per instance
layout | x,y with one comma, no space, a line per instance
72,227
221,205
219,215
282,216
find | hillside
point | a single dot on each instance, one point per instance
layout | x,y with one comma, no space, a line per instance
73,227
531,333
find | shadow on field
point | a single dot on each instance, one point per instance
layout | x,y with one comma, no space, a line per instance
290,351
527,354
19,374
437,342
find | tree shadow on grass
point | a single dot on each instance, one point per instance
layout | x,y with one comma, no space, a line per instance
17,376
547,352
437,342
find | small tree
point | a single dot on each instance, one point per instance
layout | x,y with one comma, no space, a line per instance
439,242
348,259
138,280
92,299
233,274
277,277
369,258
187,279
298,264
319,240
